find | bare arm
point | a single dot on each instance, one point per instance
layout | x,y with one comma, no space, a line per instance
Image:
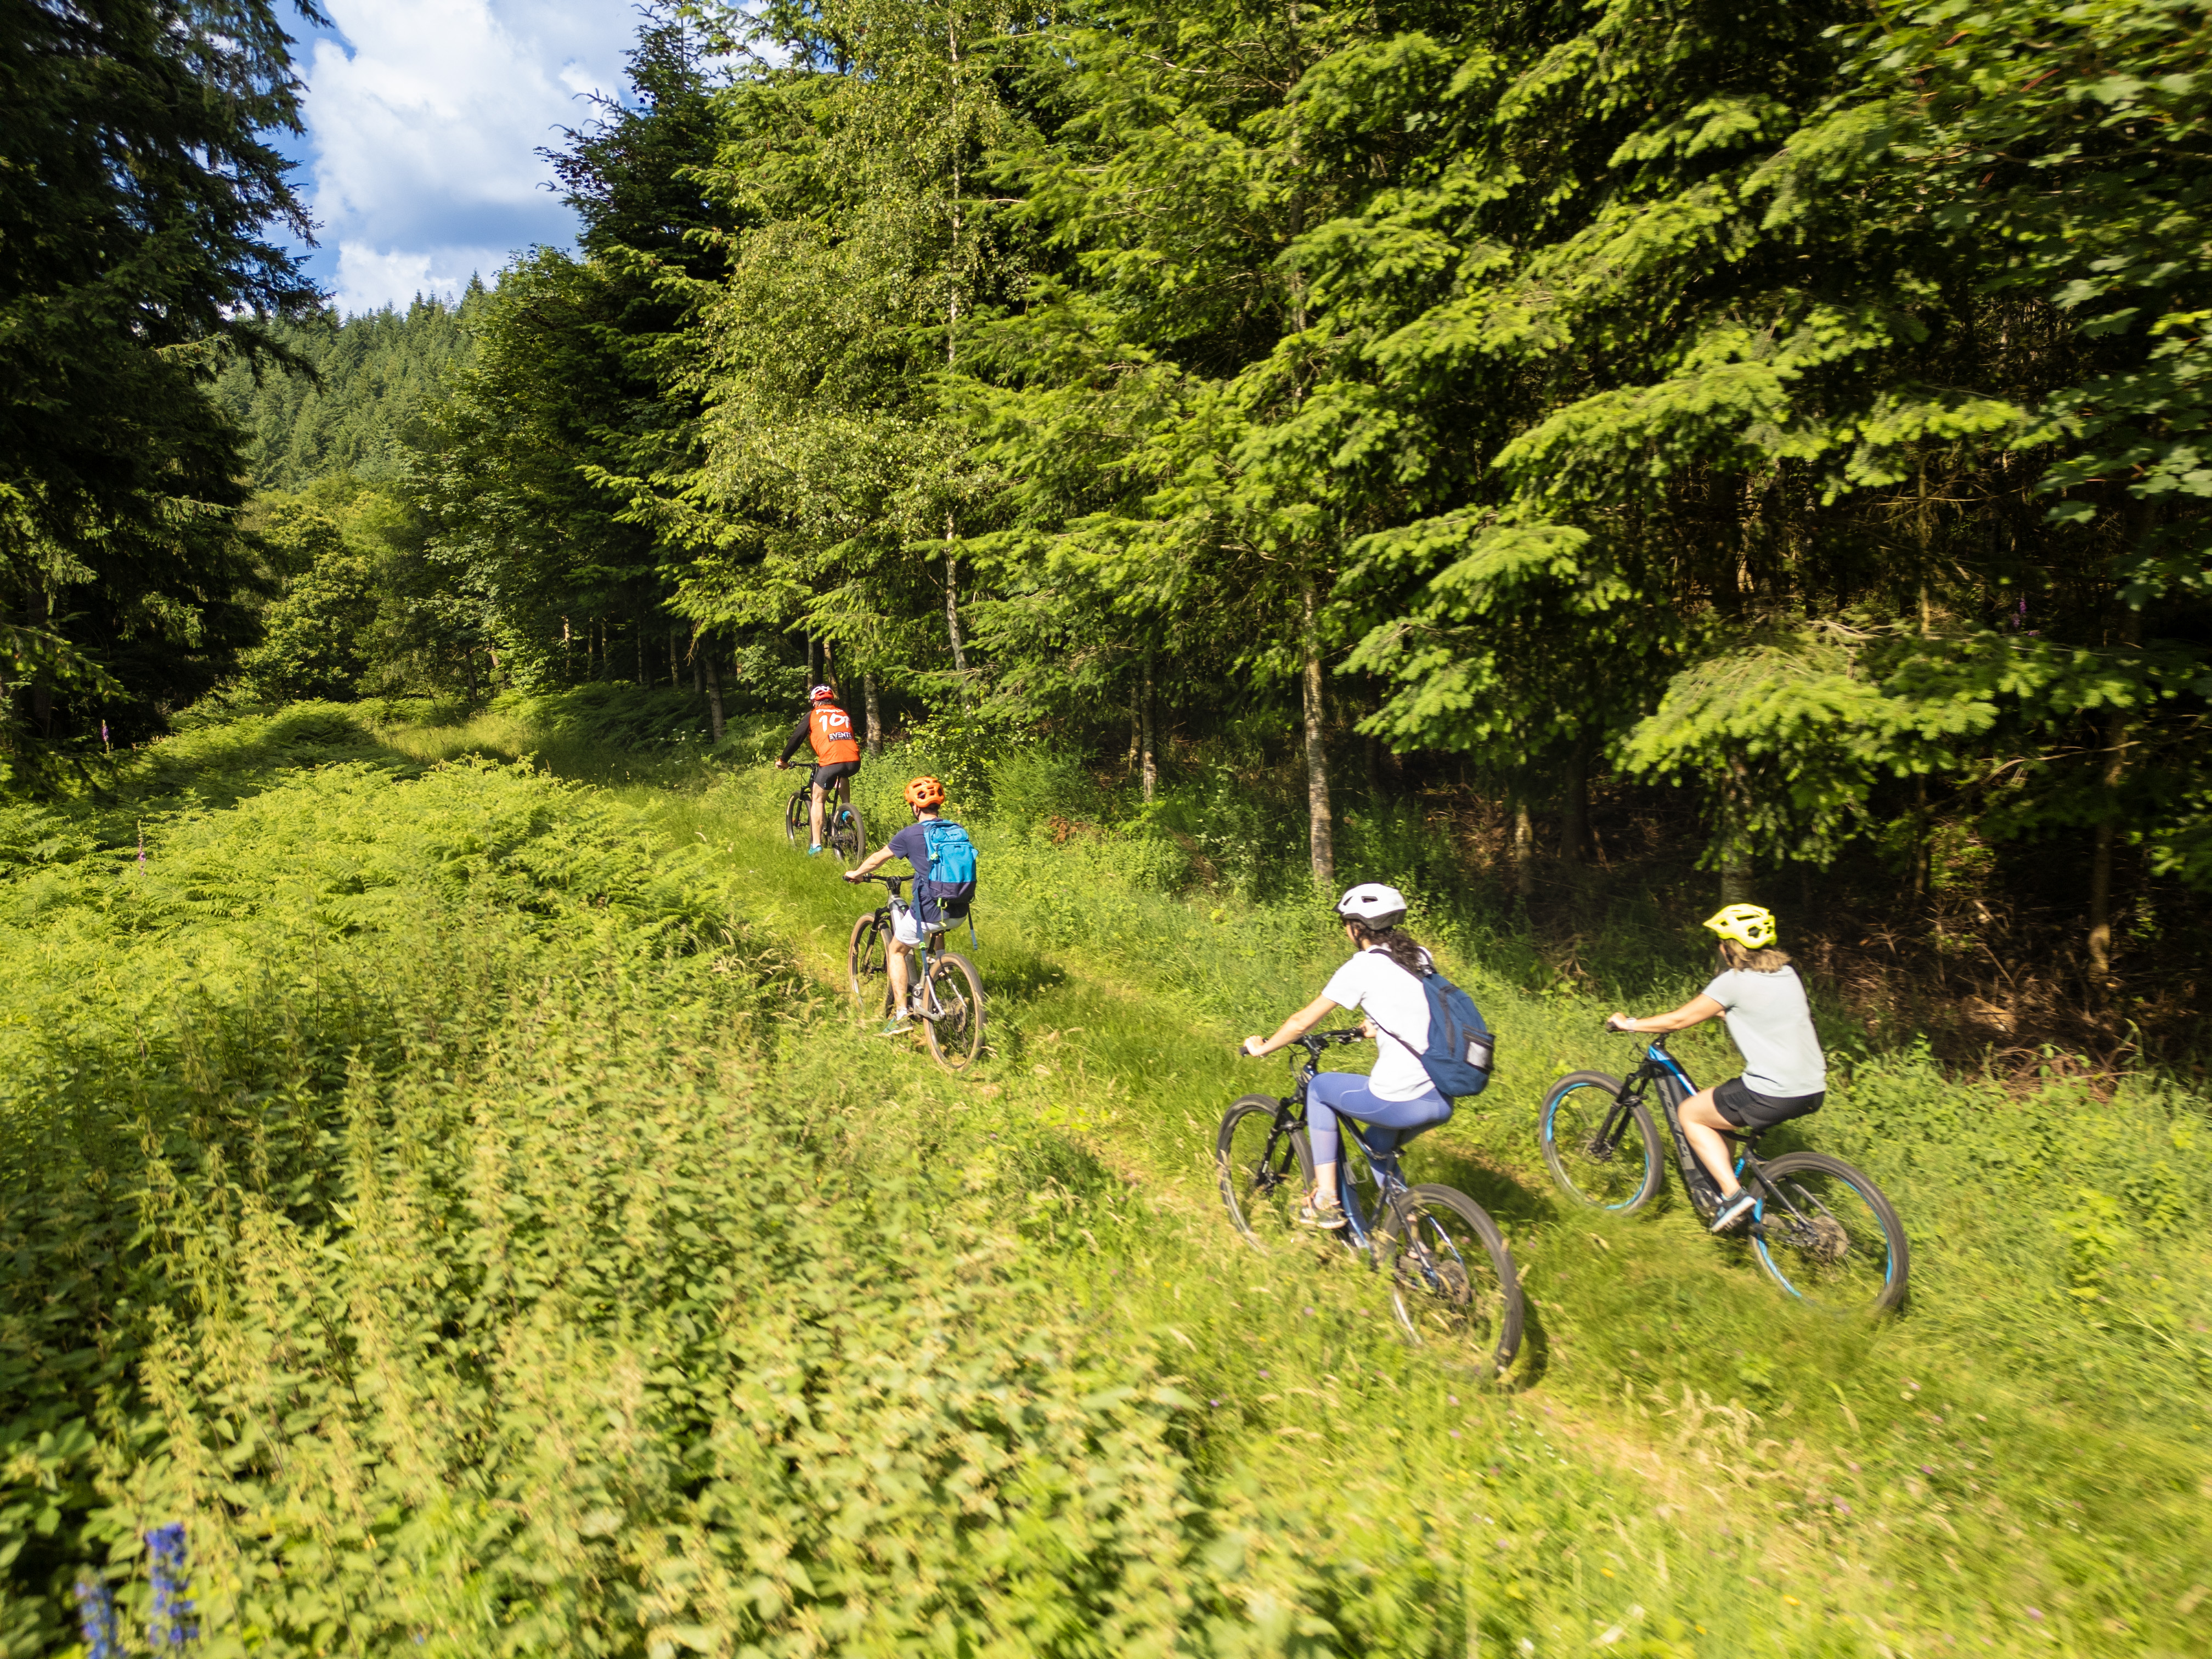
1696,1012
1290,1030
868,866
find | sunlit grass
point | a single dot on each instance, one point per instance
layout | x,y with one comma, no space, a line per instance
376,973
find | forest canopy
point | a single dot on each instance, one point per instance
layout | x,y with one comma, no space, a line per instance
1791,415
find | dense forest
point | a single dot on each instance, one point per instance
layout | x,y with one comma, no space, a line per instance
1567,460
1639,439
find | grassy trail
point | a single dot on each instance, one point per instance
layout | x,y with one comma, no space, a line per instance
1681,1461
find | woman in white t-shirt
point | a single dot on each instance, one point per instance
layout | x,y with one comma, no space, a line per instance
1382,980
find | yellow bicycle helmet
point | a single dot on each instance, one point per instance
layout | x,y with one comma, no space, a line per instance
1748,925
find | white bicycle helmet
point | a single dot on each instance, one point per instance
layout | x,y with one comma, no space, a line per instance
1373,905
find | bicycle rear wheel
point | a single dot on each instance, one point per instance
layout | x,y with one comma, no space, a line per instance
866,969
1828,1235
1451,1277
843,834
796,828
1264,1173
954,1006
1619,1173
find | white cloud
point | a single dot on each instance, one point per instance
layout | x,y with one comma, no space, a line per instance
424,135
369,276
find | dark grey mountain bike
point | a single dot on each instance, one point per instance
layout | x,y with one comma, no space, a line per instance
944,992
1821,1228
1451,1277
842,836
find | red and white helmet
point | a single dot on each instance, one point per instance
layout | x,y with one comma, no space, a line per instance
823,694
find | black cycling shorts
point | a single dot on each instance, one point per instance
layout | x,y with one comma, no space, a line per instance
1749,1109
826,775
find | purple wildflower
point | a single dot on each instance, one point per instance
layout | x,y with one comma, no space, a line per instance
171,1625
95,1613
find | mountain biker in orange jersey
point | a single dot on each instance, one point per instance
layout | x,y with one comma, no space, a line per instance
1382,982
836,753
1785,1075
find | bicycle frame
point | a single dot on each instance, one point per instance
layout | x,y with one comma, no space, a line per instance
1662,1070
921,950
1390,1183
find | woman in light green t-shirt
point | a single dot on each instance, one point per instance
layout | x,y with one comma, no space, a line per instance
1785,1075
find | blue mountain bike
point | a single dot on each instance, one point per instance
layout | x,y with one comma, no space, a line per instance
1822,1230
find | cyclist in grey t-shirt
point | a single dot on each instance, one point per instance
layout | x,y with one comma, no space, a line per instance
1785,1075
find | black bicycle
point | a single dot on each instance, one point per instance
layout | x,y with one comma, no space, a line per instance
1821,1228
1451,1277
945,994
842,832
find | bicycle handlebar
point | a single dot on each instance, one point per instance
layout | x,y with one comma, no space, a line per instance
892,882
1313,1042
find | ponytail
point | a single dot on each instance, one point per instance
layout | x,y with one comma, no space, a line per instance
1400,949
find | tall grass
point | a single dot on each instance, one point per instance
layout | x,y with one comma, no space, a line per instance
462,1198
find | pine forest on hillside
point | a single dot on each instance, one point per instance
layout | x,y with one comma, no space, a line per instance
1642,438
1580,463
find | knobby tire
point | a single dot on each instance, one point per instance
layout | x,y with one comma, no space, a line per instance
1452,1283
868,969
1627,1176
1261,1186
955,998
1846,1251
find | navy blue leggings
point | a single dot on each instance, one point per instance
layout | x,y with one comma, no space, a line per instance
1390,1123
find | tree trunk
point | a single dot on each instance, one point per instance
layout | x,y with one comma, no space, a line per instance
1317,808
875,717
567,653
638,622
42,690
813,674
2115,736
2139,518
1523,850
952,612
1574,807
674,659
1149,761
713,696
469,668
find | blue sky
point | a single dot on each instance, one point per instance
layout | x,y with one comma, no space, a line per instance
424,118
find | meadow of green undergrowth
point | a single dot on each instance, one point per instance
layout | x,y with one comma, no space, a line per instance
459,1195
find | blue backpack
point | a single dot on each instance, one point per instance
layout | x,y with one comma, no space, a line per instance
1461,1053
950,880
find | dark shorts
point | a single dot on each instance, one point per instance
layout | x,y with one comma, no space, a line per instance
1748,1109
825,776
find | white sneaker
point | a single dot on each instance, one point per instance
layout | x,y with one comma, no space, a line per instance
1733,1214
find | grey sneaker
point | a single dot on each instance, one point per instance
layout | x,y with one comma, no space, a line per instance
1733,1214
1312,1213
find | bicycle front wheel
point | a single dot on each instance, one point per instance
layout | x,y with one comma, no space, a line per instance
844,834
954,1011
796,828
866,969
1264,1171
1828,1235
1451,1277
1615,1169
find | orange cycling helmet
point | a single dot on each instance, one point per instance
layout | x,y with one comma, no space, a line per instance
925,793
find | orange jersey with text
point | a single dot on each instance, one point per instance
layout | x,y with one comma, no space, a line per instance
829,729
